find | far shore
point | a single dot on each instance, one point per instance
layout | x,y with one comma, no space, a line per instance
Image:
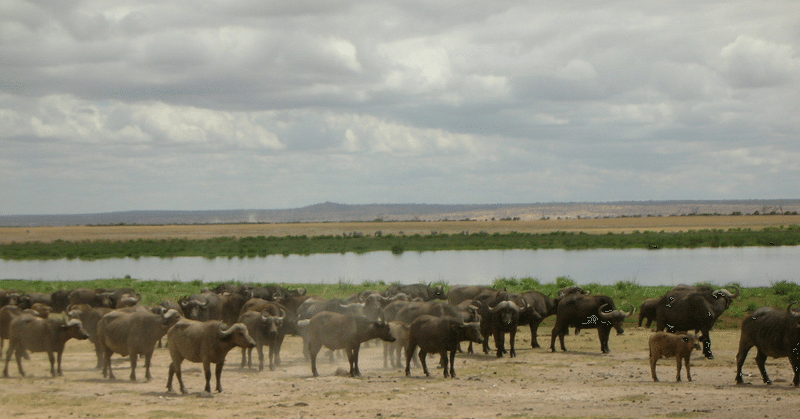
206,231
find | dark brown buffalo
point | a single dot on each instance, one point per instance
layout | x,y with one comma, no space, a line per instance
504,318
648,311
587,312
541,306
341,331
439,335
31,333
205,342
693,308
132,334
775,333
491,325
202,307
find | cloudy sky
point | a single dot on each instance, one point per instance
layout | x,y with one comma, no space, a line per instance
115,105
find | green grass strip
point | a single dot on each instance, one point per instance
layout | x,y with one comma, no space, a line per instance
261,246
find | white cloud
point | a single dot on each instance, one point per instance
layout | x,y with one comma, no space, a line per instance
275,104
751,62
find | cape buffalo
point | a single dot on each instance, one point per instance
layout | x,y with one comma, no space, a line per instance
132,334
668,345
341,331
206,342
775,333
31,333
265,329
693,308
587,312
541,307
439,335
647,311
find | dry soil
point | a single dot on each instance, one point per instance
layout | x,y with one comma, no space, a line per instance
537,383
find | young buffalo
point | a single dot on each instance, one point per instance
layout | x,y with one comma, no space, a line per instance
668,345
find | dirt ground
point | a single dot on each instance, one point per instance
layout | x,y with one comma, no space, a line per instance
580,383
206,231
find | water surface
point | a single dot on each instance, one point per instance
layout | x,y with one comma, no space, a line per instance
750,266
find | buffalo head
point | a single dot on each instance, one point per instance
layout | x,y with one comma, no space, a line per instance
616,317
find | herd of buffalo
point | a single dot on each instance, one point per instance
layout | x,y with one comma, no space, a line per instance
416,318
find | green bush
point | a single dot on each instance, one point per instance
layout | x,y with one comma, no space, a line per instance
564,281
785,288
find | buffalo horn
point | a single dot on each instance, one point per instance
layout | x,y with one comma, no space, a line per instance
503,304
789,309
605,315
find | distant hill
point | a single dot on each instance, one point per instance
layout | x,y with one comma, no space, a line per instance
332,212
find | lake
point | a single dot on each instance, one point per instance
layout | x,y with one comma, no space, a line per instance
749,266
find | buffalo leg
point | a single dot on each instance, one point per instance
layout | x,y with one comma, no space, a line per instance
794,359
653,361
207,374
409,354
761,359
707,346
8,358
99,351
534,333
218,375
499,343
52,359
422,356
313,350
688,369
244,357
260,350
134,359
175,369
512,336
744,348
604,336
452,364
355,352
107,372
678,376
387,350
147,358
273,356
278,343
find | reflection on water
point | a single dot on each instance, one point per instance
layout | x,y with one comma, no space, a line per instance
750,266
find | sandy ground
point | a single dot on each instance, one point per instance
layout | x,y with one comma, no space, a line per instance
537,383
205,231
